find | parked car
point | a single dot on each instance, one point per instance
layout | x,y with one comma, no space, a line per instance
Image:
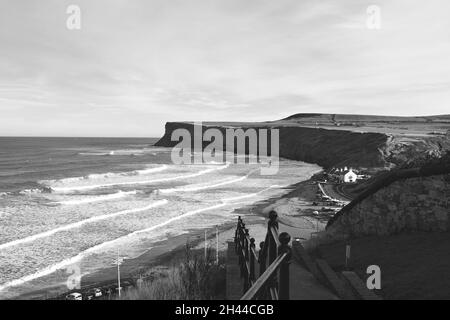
93,293
74,296
97,292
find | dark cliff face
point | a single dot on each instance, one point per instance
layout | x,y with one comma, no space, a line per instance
326,148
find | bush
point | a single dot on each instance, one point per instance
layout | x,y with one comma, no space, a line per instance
195,278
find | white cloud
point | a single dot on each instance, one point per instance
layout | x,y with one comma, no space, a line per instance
135,65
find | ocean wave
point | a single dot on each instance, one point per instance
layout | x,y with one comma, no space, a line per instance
27,192
202,187
111,153
94,153
117,195
207,186
125,152
130,183
147,171
97,176
31,191
70,261
79,224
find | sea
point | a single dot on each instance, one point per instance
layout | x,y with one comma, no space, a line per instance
72,203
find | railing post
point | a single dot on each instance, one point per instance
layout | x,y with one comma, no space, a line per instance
272,249
238,243
246,245
252,260
241,235
262,258
272,245
246,260
283,290
236,234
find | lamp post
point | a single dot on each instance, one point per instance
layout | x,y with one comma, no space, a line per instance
217,245
206,245
119,262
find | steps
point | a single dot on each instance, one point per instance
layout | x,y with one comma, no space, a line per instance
303,285
233,274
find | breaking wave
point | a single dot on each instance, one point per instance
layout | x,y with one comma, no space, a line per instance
202,187
79,224
61,265
117,195
113,184
96,176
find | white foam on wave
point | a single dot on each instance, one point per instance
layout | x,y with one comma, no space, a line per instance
150,170
125,152
30,191
105,185
117,195
61,265
97,176
202,187
79,224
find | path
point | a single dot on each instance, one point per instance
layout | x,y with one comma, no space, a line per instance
303,285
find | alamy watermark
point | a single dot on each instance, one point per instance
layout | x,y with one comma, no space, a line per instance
374,279
373,20
73,21
227,145
74,280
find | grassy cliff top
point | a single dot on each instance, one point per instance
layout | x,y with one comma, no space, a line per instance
419,126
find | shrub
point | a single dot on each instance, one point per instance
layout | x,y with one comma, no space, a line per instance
195,278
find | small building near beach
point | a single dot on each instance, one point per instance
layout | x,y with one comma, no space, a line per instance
350,176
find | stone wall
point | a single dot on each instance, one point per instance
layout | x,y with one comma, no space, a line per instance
413,204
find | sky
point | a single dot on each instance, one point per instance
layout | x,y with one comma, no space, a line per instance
136,64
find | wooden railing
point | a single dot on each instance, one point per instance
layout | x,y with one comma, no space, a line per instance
273,259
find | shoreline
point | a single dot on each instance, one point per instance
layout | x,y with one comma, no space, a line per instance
295,217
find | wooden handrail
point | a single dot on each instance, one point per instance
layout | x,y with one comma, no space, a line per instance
251,293
274,233
273,259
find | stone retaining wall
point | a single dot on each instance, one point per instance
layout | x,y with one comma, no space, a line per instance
414,204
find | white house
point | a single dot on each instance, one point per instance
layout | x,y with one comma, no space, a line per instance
350,176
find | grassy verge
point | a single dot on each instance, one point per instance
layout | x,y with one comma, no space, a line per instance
192,278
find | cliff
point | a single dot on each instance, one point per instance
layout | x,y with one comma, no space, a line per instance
412,196
346,140
324,147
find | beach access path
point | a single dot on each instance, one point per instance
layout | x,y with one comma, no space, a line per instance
303,285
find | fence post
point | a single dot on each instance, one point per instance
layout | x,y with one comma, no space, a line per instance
236,234
273,223
246,245
262,258
241,236
246,261
272,249
283,290
238,243
252,260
